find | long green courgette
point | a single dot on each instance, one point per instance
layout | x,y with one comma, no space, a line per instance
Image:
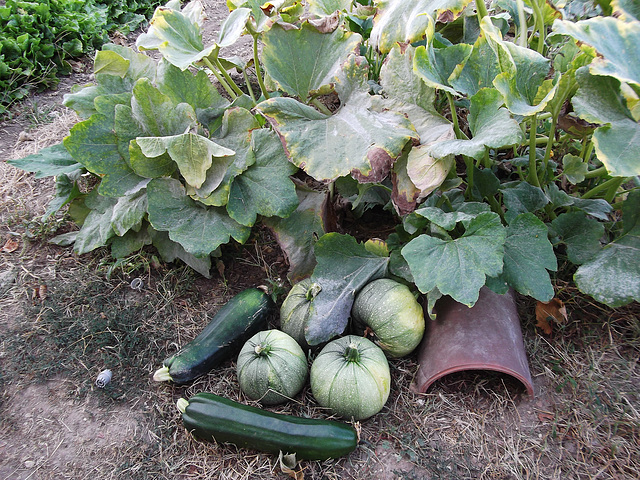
212,417
239,319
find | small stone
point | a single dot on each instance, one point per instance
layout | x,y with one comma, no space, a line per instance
29,464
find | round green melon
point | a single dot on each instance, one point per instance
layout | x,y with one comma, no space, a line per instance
351,377
295,310
387,313
272,367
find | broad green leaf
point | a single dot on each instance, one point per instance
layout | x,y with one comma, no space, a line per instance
344,267
233,26
129,243
197,157
485,183
170,251
627,9
199,230
616,41
96,229
617,140
522,198
48,162
265,187
327,7
176,36
356,140
491,125
448,220
117,89
402,21
196,90
523,72
580,234
150,167
631,211
157,114
235,134
612,277
479,71
303,60
297,233
94,144
399,82
66,192
437,66
109,62
458,267
574,168
128,212
528,255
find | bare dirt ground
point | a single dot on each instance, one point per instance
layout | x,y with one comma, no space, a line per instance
65,318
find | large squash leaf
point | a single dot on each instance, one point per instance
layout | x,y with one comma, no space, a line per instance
617,44
491,125
405,21
579,233
344,267
522,76
612,276
176,34
617,140
197,157
297,233
458,267
303,60
362,138
94,144
48,162
265,187
199,230
528,255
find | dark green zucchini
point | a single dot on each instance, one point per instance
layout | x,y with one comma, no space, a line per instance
212,417
240,318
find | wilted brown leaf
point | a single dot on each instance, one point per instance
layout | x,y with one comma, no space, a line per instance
548,313
11,245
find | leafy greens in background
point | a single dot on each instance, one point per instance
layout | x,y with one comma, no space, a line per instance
502,143
38,38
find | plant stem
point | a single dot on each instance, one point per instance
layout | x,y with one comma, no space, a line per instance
249,89
256,64
522,18
220,78
228,78
552,134
533,166
352,354
481,8
454,115
609,185
495,207
321,106
539,19
468,161
596,172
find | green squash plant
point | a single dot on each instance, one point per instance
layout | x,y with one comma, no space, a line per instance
504,139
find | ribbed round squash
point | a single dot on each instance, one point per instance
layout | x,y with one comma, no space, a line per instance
271,367
387,313
294,313
350,376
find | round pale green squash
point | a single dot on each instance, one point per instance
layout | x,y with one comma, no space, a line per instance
271,367
387,313
294,313
351,377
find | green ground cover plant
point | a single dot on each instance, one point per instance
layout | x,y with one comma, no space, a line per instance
38,38
502,140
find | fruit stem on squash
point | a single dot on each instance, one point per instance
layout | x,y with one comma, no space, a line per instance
351,353
262,350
